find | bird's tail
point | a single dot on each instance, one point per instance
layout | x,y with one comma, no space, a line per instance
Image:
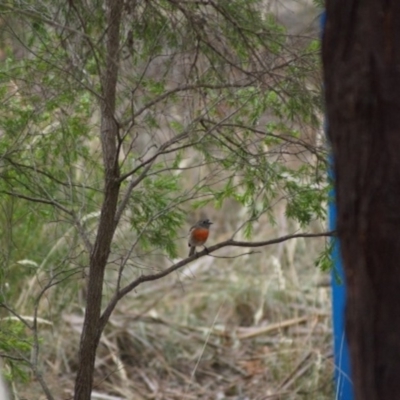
192,250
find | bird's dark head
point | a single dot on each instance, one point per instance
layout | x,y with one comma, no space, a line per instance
206,223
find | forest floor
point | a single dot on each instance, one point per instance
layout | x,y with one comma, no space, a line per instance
249,327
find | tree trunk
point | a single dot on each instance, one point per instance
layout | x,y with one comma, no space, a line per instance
361,59
92,328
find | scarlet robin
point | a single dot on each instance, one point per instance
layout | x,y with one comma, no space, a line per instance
198,234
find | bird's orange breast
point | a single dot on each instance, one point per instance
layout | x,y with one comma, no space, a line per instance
200,234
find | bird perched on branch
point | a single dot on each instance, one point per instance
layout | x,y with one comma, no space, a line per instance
198,235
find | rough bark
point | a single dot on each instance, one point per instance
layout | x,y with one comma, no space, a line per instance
92,328
361,59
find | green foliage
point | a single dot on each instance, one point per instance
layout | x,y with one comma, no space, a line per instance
240,68
324,260
15,344
214,104
306,200
155,218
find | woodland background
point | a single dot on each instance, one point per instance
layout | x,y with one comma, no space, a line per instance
124,122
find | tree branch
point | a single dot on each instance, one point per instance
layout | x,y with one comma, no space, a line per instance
38,200
152,277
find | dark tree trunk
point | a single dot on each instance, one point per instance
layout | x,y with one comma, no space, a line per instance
361,59
92,327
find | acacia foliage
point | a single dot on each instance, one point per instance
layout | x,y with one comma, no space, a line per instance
214,100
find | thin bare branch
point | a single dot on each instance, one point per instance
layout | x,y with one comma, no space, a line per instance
152,277
38,200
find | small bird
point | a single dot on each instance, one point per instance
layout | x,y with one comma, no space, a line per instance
198,234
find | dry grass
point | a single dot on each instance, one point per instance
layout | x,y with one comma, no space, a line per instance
251,327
